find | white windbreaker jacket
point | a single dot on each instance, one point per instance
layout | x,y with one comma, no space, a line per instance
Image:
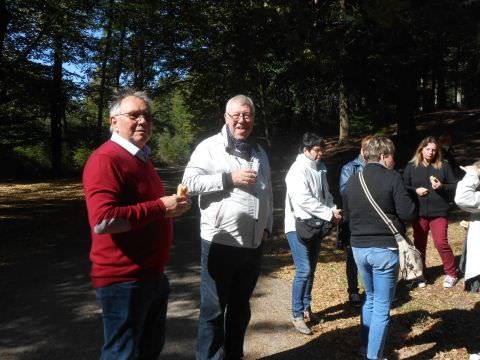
237,216
467,197
304,192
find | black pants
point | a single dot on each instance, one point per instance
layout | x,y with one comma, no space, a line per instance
228,277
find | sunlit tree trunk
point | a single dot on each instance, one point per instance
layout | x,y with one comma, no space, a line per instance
101,91
57,109
343,98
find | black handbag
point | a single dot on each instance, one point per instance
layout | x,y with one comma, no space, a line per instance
309,229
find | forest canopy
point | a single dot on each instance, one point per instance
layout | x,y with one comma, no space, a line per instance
339,67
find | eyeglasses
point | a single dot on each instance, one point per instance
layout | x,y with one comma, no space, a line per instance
237,116
136,115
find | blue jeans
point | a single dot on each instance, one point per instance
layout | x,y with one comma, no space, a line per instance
228,277
305,258
378,268
134,316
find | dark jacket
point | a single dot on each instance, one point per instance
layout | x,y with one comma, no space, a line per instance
436,202
388,190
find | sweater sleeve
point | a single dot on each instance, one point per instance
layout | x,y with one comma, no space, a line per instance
104,184
450,179
404,206
407,179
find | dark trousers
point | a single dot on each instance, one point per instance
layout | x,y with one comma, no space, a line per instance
228,277
134,316
351,271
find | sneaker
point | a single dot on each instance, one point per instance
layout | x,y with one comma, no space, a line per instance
309,316
421,283
449,281
474,356
355,300
301,326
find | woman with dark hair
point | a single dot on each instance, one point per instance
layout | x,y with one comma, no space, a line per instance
432,183
307,196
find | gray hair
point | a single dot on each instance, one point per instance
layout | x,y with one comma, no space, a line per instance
242,100
117,99
377,146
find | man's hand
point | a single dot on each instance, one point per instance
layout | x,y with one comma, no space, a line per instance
176,205
244,177
337,216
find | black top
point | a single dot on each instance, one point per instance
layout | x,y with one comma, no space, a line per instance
387,188
436,202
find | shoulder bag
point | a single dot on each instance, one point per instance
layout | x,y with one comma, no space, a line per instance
411,266
309,229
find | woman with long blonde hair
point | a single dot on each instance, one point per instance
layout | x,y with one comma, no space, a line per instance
432,183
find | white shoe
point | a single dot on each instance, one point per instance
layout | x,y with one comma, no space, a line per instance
421,283
449,281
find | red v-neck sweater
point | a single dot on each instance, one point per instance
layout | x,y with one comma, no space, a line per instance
122,189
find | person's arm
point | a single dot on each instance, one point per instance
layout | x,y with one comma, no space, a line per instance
107,214
450,183
347,171
404,206
466,196
202,177
302,197
407,179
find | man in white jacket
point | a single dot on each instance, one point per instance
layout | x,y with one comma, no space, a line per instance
467,197
231,175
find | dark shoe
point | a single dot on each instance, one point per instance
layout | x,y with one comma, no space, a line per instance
301,326
355,300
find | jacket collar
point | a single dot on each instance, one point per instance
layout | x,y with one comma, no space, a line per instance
312,164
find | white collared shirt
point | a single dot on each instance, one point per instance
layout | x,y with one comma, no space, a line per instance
142,154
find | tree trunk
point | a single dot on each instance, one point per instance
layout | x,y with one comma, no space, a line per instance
344,121
56,110
343,136
101,95
441,95
406,100
4,19
118,70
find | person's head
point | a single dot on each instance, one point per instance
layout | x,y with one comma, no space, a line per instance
445,140
380,149
312,146
131,116
428,152
364,143
240,116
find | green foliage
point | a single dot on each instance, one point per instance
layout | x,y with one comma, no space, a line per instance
175,131
33,159
80,156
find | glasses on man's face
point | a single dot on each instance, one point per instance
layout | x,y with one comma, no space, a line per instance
237,116
137,115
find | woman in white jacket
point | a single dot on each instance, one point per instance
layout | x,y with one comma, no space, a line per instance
307,196
467,197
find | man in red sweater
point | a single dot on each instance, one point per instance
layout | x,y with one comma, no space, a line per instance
131,222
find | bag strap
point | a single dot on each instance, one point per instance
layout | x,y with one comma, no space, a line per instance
372,201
